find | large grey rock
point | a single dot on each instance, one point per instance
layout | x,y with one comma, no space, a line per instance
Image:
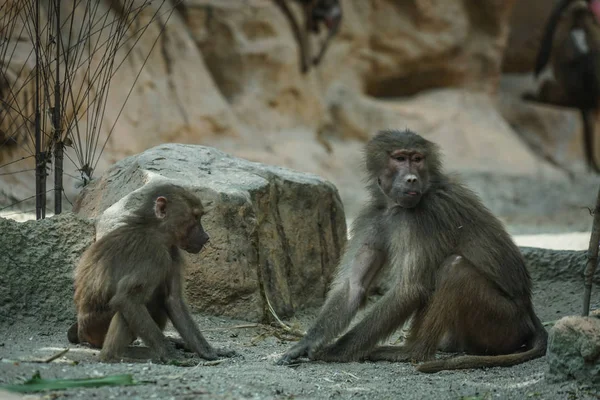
274,232
36,265
574,350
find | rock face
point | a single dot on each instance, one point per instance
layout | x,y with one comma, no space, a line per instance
274,232
552,132
388,49
452,118
226,74
574,350
37,261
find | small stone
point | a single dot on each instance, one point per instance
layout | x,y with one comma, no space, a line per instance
574,350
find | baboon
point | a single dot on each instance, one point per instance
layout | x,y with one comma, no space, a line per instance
315,12
454,270
572,38
129,282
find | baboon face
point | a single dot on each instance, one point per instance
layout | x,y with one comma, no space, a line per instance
329,12
195,239
181,214
594,6
402,164
405,178
194,236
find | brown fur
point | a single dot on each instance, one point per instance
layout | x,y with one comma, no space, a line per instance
129,282
315,13
454,267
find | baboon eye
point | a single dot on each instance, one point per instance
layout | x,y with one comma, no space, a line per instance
400,158
418,159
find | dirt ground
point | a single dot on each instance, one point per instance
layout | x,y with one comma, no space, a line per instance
254,375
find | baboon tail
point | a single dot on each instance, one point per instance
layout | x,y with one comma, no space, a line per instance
589,128
537,348
72,334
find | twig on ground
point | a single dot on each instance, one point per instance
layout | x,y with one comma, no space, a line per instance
351,375
287,328
57,355
259,338
214,362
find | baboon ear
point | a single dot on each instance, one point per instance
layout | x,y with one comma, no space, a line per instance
160,207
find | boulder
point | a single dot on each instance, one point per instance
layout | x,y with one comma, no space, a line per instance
37,259
574,350
275,234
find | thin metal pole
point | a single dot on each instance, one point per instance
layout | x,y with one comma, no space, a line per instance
39,155
58,142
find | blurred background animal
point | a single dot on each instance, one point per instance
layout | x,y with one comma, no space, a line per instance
571,44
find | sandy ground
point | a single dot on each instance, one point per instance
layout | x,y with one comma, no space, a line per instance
254,375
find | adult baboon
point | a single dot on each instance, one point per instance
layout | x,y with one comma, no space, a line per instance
571,41
455,271
129,282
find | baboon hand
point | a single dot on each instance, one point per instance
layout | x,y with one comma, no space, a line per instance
333,353
299,350
224,352
211,355
174,357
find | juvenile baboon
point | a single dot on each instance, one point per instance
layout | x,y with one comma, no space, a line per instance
315,12
455,271
129,282
572,42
